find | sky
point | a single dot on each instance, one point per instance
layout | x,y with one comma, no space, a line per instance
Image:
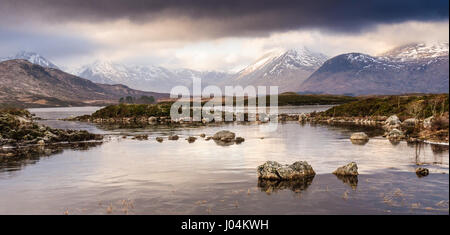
221,35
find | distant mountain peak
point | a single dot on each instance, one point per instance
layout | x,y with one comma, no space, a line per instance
32,57
417,51
260,62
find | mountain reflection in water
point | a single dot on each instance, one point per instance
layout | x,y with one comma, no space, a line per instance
126,176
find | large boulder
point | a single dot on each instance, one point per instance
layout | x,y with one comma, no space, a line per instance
350,169
393,120
225,136
272,170
359,136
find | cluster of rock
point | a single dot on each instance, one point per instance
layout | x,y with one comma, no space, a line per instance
221,138
22,130
272,170
227,137
167,120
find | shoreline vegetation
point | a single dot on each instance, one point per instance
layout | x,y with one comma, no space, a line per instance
19,133
415,117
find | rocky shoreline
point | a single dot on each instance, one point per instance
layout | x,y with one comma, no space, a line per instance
413,130
410,129
18,130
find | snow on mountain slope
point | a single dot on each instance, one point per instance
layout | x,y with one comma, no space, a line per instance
286,70
32,58
414,68
259,63
147,78
417,51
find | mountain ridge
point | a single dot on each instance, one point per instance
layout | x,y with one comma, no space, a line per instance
395,72
31,85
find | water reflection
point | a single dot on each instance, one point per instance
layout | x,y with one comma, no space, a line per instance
437,149
359,142
350,180
170,177
297,186
17,158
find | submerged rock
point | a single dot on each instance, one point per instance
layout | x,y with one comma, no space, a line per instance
272,170
202,135
225,136
174,137
350,169
421,172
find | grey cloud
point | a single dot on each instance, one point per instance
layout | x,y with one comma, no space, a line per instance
234,17
51,45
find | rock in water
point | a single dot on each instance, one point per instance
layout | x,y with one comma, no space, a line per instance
395,134
359,136
350,169
421,172
239,140
226,136
272,170
191,139
302,118
159,139
173,137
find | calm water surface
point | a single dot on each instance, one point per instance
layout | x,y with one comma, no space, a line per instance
126,176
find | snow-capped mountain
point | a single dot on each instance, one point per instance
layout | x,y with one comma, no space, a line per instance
417,68
147,78
286,70
32,58
417,51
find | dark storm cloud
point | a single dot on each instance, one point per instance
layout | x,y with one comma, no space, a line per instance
234,17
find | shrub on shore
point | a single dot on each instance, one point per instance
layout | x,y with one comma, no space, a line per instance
408,106
133,110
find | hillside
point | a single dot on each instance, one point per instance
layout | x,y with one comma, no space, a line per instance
409,69
24,84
